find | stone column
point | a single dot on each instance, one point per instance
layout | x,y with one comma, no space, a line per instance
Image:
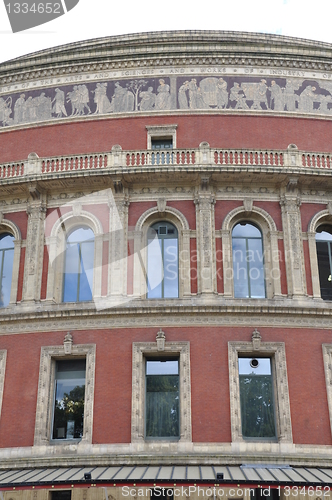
274,267
184,264
291,221
205,230
226,239
139,277
118,237
314,266
34,248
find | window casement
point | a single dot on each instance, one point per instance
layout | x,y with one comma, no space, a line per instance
61,495
161,395
6,267
259,396
162,398
78,266
254,270
65,393
75,258
161,139
248,261
327,357
69,399
324,260
163,265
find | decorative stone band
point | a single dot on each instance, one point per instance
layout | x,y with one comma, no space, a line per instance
304,94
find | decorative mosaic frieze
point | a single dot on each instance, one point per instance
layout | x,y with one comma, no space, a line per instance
191,92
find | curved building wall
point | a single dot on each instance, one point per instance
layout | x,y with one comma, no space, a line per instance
200,132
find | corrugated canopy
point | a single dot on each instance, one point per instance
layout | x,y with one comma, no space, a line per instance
254,474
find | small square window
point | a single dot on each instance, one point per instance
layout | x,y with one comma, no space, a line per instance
164,493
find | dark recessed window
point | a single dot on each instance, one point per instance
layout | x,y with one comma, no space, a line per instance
324,258
162,154
69,399
162,492
256,398
61,495
162,398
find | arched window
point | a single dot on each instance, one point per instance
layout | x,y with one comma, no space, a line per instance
324,257
163,261
78,268
248,261
6,267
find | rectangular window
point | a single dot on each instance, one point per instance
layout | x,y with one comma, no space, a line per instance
256,397
61,495
162,398
162,493
69,399
162,155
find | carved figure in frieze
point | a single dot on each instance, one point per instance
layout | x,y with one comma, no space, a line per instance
73,97
200,102
134,87
101,100
59,103
324,101
148,99
30,113
182,95
163,99
306,99
192,86
19,109
289,96
222,94
277,96
237,95
122,100
5,110
43,106
83,100
256,92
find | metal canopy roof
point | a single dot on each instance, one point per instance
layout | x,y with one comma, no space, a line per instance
255,474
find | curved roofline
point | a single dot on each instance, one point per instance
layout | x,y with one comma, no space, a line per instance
198,41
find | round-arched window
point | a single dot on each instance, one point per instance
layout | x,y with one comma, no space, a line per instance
324,258
6,267
248,261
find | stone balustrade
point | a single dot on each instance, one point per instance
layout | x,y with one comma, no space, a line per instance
118,159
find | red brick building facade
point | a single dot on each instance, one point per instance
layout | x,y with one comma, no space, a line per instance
165,224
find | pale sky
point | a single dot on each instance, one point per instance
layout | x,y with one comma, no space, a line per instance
98,18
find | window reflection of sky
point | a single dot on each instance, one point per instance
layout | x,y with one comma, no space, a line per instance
65,386
263,368
156,367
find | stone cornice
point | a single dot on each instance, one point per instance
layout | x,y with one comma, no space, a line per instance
197,311
175,48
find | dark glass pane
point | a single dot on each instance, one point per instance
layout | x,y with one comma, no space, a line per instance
256,397
61,495
162,399
324,269
69,399
162,143
6,268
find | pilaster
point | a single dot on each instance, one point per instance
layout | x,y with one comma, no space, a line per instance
34,246
294,258
118,235
205,230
